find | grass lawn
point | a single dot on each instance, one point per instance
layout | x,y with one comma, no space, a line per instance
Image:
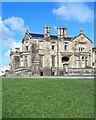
47,98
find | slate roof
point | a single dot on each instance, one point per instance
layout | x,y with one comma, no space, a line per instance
34,35
68,38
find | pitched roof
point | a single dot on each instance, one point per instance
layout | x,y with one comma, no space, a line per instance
68,38
34,35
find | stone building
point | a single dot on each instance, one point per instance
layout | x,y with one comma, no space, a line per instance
46,54
94,57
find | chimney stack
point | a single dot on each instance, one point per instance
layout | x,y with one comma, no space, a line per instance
47,31
59,32
64,32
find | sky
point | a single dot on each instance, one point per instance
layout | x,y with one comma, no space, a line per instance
17,15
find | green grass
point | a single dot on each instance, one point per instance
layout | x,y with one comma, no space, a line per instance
47,98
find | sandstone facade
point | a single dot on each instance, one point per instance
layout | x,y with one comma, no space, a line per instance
46,54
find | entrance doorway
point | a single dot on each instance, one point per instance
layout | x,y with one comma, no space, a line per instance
52,73
41,73
65,61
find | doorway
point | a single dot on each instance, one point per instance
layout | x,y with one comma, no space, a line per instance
53,73
41,73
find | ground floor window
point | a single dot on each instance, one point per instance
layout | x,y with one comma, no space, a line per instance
26,60
40,60
53,61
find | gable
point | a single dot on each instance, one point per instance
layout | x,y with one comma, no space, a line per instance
82,38
26,37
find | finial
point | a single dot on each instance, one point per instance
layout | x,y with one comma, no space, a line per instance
81,31
27,29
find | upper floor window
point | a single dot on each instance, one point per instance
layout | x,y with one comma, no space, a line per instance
26,46
53,46
65,47
81,47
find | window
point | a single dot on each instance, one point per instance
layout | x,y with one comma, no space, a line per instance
26,46
53,61
85,58
95,52
40,60
86,61
65,47
82,58
95,61
78,61
78,58
81,49
26,60
53,47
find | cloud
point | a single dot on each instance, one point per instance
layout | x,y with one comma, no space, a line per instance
7,53
11,32
13,46
15,23
16,44
74,11
9,29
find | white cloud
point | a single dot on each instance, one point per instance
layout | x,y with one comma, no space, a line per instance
7,53
15,23
9,30
16,44
4,30
74,11
12,46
